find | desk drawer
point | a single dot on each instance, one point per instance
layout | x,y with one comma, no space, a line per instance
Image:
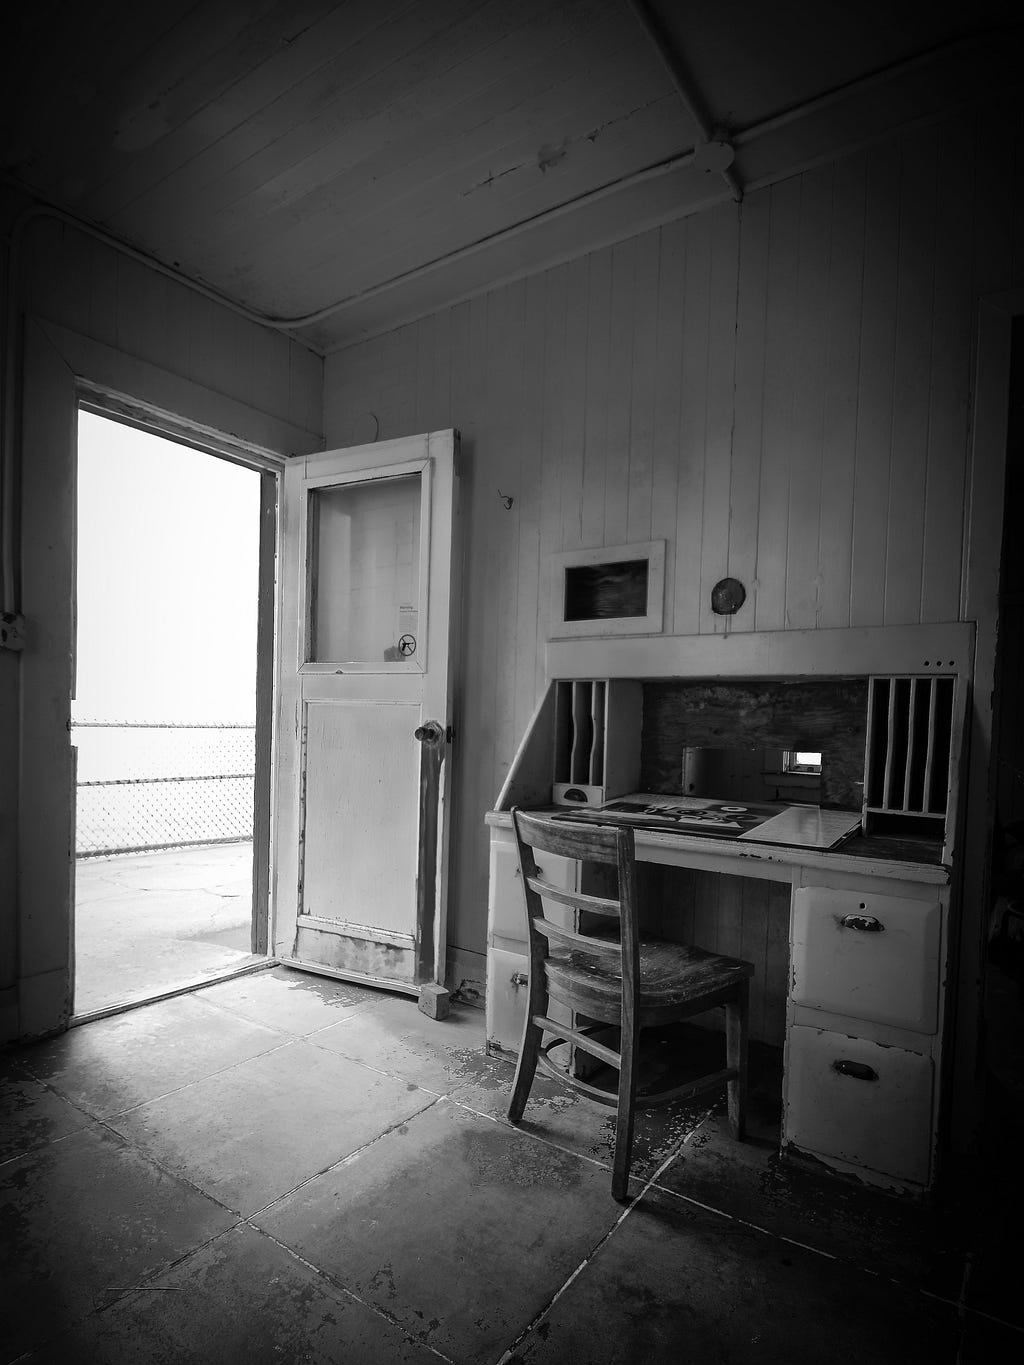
859,1102
506,1000
506,903
867,956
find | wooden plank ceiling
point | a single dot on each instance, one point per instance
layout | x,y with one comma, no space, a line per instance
372,160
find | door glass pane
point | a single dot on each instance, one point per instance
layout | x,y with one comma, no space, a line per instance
364,572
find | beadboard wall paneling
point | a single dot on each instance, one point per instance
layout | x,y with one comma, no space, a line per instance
739,916
70,278
779,389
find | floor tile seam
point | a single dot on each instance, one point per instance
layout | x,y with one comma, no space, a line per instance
965,1310
549,1142
352,1012
526,1133
88,1118
362,1007
145,1281
344,1160
234,1013
903,1285
179,1176
91,1124
508,1356
143,1285
196,1080
50,1085
895,1280
342,1288
376,1070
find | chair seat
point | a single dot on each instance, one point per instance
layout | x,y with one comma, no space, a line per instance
671,974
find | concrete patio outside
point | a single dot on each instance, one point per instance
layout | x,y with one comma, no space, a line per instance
149,923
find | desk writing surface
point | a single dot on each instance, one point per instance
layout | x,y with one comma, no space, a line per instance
913,860
795,826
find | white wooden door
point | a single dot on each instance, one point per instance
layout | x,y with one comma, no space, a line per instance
365,686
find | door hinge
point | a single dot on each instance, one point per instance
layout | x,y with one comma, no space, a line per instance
12,630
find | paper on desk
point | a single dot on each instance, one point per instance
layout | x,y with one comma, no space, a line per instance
805,827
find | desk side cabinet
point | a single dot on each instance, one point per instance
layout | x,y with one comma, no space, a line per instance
863,1038
508,953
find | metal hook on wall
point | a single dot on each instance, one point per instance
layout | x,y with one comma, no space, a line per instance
507,499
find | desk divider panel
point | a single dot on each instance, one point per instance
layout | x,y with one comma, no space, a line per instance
910,729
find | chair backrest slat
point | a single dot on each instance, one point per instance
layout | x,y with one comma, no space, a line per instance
592,843
609,950
579,900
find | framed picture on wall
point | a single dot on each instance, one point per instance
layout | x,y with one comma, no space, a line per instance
616,590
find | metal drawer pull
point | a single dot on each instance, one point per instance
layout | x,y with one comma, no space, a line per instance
519,979
867,923
858,1070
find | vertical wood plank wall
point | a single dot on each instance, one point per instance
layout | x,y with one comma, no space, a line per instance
779,389
78,282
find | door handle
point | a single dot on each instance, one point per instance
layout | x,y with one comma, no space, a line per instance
431,732
433,736
868,924
860,1071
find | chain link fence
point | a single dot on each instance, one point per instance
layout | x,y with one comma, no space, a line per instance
146,786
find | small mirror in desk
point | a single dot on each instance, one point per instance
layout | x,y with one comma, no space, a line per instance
752,774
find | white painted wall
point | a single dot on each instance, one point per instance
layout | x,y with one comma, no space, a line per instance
781,390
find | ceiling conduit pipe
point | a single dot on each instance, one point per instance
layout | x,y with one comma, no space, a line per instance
688,92
9,594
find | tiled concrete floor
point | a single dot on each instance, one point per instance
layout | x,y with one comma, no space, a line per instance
148,923
285,1168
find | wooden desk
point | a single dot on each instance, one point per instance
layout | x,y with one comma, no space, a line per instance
854,950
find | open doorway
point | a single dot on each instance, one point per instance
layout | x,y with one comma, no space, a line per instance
164,718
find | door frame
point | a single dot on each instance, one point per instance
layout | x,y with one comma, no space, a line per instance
61,369
92,398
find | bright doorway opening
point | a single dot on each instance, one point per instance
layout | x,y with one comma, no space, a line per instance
164,717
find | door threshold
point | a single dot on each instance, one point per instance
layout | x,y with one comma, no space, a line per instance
229,974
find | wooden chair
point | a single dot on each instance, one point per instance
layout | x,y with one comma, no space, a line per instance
625,981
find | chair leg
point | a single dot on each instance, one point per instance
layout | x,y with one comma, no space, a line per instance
526,1069
737,1013
625,1114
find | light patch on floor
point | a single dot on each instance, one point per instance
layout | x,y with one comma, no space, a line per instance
147,923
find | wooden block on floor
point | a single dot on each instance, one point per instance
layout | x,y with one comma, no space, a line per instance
434,1002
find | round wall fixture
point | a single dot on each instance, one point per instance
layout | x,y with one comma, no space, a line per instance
727,596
